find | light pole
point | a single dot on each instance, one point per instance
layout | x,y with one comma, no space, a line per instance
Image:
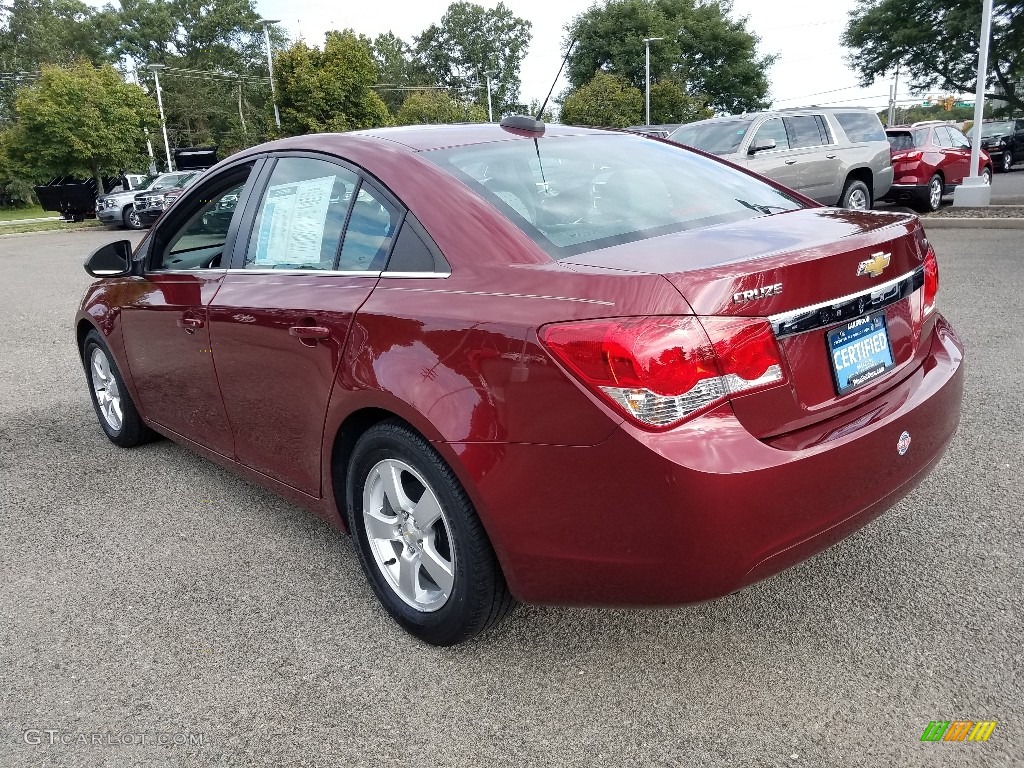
647,90
270,67
160,103
974,191
489,73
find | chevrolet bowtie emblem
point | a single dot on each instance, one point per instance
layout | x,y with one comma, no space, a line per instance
874,266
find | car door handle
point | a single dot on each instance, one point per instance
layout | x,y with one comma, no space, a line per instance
309,332
790,162
831,157
190,324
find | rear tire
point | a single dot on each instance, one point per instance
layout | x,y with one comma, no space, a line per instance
856,196
118,417
932,199
986,175
420,543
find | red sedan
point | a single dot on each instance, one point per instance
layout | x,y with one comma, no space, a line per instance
545,363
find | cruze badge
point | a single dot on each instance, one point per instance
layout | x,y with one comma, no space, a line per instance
874,266
757,293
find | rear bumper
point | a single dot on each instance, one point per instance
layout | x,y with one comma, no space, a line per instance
705,509
905,191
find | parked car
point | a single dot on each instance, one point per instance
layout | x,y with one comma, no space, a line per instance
119,207
150,205
835,156
930,159
1004,142
553,364
657,131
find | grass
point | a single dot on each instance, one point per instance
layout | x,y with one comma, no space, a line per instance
17,214
45,226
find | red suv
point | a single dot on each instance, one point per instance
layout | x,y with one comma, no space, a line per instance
928,161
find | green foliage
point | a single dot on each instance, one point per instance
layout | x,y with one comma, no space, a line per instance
329,89
436,106
470,40
547,117
709,55
935,42
397,68
607,100
80,120
670,104
918,113
15,187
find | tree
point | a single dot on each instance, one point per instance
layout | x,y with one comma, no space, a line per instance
936,43
607,100
329,89
80,120
469,41
710,56
397,68
669,104
436,106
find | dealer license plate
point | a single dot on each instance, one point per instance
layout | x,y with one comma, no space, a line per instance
859,351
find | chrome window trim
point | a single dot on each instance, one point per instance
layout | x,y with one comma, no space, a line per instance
419,275
328,272
847,307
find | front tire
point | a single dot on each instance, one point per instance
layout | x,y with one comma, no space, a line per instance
115,410
856,196
420,543
1006,162
131,217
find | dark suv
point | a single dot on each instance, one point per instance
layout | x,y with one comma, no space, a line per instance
1004,141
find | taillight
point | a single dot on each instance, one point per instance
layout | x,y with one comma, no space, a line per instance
660,371
931,280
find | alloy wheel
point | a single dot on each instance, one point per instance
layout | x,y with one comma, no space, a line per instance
106,390
409,535
935,194
857,200
986,176
1007,162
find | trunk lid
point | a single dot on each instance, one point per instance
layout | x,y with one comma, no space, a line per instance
834,264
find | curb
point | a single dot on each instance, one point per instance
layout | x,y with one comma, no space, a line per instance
16,222
964,222
56,230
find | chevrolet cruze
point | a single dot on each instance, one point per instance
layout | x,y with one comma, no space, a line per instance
519,362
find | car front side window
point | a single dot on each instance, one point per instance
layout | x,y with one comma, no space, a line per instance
772,129
198,242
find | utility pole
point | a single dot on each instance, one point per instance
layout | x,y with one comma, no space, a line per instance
270,67
160,103
893,90
240,115
974,191
489,74
647,79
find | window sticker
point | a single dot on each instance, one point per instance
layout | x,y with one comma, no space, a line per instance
292,227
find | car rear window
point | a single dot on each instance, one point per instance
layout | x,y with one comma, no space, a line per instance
901,141
579,193
861,126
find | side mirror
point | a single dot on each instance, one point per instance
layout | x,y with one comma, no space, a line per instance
110,260
761,146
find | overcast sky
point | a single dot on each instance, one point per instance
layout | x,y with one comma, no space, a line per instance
804,34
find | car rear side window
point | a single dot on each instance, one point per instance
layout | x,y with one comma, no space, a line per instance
371,226
578,193
301,215
803,131
861,126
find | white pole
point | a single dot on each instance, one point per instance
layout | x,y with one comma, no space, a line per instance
270,68
647,82
163,122
975,191
490,112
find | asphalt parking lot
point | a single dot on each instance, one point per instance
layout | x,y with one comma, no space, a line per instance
149,592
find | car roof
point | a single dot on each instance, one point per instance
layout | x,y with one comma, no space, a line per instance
427,137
